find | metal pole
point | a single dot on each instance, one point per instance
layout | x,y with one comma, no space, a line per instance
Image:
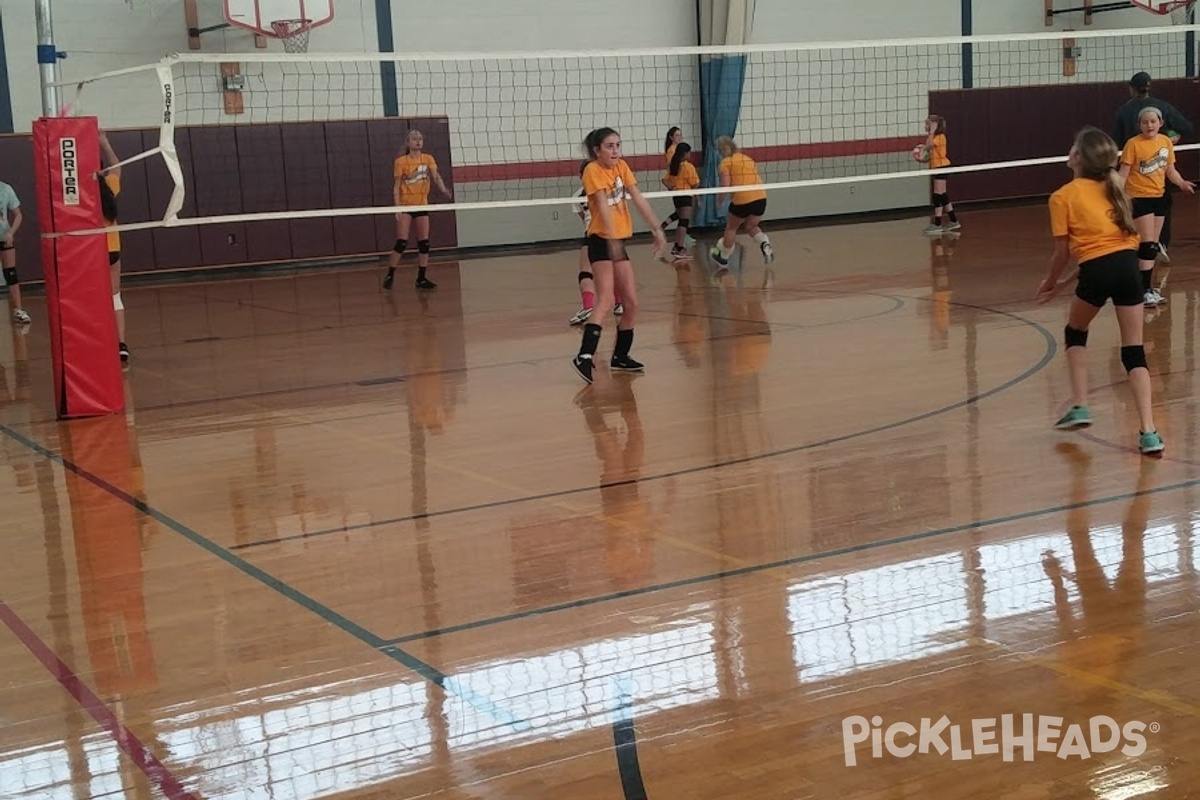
47,58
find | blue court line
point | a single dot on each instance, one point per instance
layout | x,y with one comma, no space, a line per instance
390,649
1047,357
789,562
625,741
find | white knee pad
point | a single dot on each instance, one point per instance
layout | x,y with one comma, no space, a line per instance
117,304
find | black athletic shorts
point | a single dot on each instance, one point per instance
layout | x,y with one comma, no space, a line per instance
1150,205
416,214
113,257
755,208
1112,277
682,202
601,249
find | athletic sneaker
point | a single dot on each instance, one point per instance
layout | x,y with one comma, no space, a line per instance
933,230
1077,417
679,252
425,283
768,253
123,351
718,256
1162,256
583,367
688,240
952,226
581,316
1150,443
1159,300
22,316
626,364
1149,299
619,309
388,280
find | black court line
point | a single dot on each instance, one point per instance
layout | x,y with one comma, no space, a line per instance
1047,357
393,651
625,745
751,569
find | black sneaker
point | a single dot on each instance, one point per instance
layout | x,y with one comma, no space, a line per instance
388,280
583,367
626,364
123,349
425,283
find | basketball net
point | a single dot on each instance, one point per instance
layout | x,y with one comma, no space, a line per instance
1181,14
293,33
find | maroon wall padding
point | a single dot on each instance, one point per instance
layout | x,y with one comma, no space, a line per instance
233,169
264,188
1008,124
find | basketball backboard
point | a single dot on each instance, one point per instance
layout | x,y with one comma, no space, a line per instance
257,15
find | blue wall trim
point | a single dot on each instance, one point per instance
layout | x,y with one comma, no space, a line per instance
968,56
6,114
387,69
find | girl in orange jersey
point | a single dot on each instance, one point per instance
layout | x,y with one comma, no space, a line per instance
110,186
935,140
1092,219
680,177
674,137
611,186
745,208
413,172
1153,155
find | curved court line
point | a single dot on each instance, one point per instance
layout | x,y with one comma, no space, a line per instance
1047,357
125,739
342,623
736,572
625,742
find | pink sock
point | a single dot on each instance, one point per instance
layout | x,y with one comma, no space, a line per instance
589,299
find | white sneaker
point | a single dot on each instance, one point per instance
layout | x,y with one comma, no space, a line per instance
1149,300
1162,256
1158,298
768,253
22,316
619,309
581,316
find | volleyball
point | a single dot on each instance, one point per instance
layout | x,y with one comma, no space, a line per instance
921,154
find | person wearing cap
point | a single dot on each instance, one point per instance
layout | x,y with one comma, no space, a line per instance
1175,127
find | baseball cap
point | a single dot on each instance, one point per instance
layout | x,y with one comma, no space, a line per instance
1140,80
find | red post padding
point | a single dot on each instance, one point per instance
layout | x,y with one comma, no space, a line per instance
79,306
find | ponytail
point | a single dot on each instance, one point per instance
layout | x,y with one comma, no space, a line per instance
681,153
1122,209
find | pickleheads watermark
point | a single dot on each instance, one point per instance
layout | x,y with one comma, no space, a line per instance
1028,734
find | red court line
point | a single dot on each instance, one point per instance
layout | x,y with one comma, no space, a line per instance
158,774
569,168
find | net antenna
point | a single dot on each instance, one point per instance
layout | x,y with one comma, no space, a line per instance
1181,12
290,21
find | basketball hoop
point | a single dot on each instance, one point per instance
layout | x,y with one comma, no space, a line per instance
293,33
1180,11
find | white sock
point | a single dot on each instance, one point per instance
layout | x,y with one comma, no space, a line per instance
761,238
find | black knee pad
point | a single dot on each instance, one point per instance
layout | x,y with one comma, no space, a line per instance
1074,337
585,276
10,276
400,245
941,199
422,245
1147,251
683,224
1133,356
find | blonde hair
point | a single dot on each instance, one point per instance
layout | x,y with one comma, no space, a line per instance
409,135
726,143
1097,155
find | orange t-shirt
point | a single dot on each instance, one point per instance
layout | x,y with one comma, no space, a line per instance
614,182
114,237
414,173
1082,212
671,153
1148,160
742,172
939,155
687,178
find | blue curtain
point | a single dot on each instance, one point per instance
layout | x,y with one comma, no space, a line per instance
721,80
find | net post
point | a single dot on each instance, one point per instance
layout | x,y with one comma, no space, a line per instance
47,56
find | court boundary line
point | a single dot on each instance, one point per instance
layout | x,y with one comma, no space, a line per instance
1048,356
737,572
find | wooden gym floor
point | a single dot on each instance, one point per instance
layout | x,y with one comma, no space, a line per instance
349,543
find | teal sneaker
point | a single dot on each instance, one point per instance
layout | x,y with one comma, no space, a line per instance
1150,443
1077,417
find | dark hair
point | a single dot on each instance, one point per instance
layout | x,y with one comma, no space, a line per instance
594,139
681,153
939,124
583,166
108,200
667,142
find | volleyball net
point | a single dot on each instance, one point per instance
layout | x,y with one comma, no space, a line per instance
294,136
